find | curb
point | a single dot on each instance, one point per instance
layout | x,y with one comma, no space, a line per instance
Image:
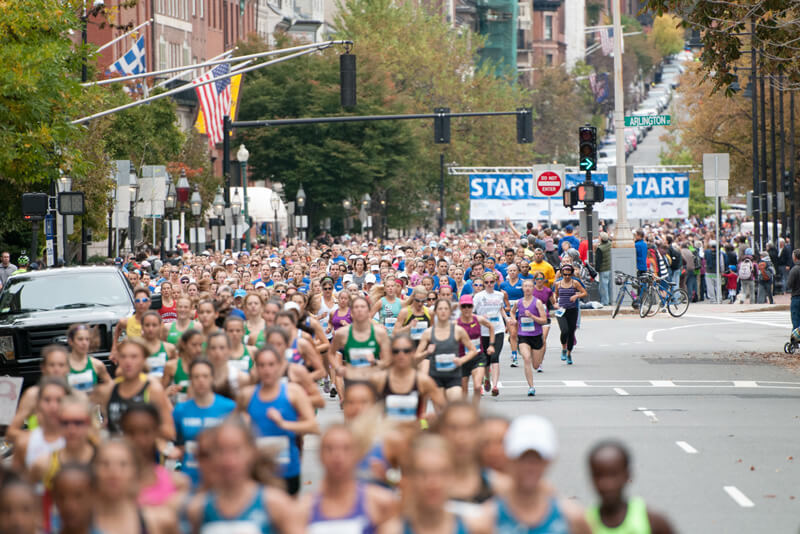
627,310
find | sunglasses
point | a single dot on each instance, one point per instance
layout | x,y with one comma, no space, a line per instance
407,350
477,285
466,306
74,422
327,288
279,292
142,300
421,301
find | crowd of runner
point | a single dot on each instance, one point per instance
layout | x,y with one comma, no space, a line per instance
201,424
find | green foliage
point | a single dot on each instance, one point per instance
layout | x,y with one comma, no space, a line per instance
667,34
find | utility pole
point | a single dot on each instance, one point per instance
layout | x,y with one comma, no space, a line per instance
623,237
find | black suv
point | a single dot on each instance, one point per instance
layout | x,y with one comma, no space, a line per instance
36,308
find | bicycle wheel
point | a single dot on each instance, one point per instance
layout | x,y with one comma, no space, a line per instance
655,300
619,302
646,302
678,303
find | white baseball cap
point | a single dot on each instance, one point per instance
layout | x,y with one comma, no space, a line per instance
292,306
230,262
531,433
370,279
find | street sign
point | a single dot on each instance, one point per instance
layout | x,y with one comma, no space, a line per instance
716,166
612,175
647,120
548,183
50,235
722,191
71,203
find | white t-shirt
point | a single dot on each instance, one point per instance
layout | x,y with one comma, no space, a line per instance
490,305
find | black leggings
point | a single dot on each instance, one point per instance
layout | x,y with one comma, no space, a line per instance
570,318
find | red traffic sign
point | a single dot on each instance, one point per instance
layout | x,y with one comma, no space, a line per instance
548,183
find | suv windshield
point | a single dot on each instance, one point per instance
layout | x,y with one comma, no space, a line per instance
25,294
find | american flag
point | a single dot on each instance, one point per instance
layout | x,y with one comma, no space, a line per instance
215,101
606,40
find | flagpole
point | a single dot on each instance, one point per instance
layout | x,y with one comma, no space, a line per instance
178,76
116,39
314,46
623,237
307,49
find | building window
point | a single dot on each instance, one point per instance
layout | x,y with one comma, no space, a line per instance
162,53
202,3
520,39
548,27
548,60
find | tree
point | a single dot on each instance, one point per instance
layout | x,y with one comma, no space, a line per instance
667,34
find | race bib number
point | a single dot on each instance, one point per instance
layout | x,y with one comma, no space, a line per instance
156,364
231,527
324,323
338,526
445,362
242,365
389,323
466,510
417,331
495,319
190,458
278,444
360,357
402,407
526,323
83,381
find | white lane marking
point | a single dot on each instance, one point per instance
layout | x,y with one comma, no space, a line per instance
649,414
604,345
651,333
688,449
740,498
747,321
621,391
745,384
663,384
624,344
575,384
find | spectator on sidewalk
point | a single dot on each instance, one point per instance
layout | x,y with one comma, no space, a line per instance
766,277
793,285
747,276
712,257
641,251
784,263
690,276
602,262
731,281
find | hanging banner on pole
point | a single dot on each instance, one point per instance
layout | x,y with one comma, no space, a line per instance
652,195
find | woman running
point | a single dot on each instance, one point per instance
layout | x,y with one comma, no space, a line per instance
341,315
207,315
403,389
476,367
168,310
228,376
530,314
184,310
303,350
240,354
48,437
492,305
440,345
158,486
512,287
327,305
253,307
235,502
160,351
548,298
278,412
362,344
85,372
295,372
116,488
131,326
415,318
72,497
175,379
271,310
568,291
133,386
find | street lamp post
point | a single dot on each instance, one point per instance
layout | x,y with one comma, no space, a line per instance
236,209
346,205
365,204
275,201
243,155
197,204
219,220
301,204
169,205
134,187
384,229
183,197
457,209
65,186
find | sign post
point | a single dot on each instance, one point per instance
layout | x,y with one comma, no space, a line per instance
716,168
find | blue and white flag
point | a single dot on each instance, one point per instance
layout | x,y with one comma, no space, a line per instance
133,62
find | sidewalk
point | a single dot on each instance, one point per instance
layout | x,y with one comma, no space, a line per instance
781,304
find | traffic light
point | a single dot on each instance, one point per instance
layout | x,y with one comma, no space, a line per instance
441,126
587,151
34,206
524,125
347,80
570,197
591,192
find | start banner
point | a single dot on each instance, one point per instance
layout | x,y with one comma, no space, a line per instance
653,195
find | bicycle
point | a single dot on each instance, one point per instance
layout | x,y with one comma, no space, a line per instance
628,284
659,293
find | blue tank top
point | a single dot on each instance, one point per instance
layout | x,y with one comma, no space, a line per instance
268,434
254,516
514,291
564,294
461,528
356,521
296,356
527,326
553,523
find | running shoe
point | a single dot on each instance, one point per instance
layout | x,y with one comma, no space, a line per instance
487,384
569,359
495,392
326,385
531,392
539,369
563,355
333,392
514,363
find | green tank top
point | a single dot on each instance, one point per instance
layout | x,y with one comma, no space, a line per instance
174,335
355,352
260,340
83,379
181,378
635,522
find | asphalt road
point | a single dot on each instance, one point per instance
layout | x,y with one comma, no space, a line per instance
715,434
649,150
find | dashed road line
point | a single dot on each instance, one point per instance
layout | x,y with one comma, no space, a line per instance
649,336
737,320
688,449
663,384
649,414
575,384
745,384
621,391
739,497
